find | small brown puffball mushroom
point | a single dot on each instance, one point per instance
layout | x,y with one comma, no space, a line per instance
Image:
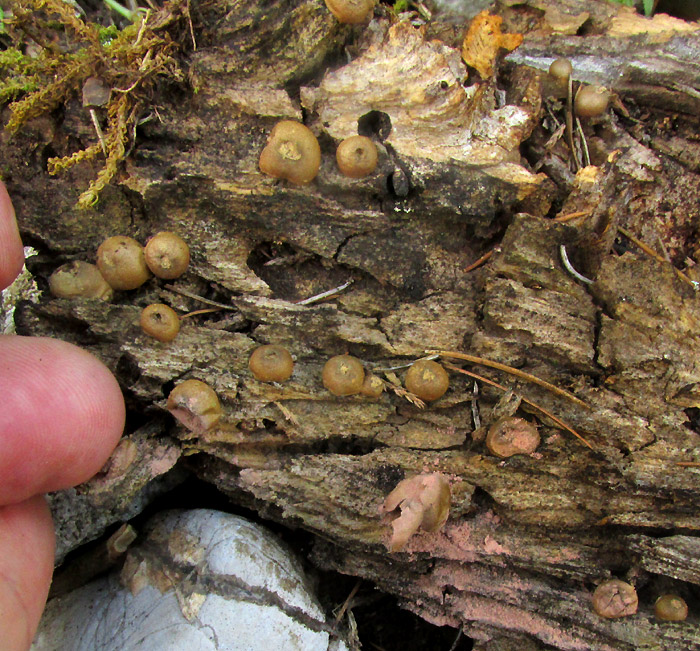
79,279
343,375
427,380
167,255
292,152
591,101
195,404
121,261
424,502
350,11
615,598
271,363
561,69
356,156
512,435
160,322
671,608
372,387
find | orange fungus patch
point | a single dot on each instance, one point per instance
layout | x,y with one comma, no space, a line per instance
483,41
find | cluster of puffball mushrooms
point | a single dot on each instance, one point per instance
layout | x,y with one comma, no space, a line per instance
420,502
292,153
423,501
589,101
342,375
123,264
615,598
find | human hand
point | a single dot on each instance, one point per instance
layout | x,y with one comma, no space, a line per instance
61,415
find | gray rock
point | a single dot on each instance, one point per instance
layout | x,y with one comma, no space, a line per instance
201,580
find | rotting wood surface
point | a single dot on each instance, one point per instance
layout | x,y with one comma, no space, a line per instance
528,538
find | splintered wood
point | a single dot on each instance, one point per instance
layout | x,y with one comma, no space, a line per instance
418,84
524,542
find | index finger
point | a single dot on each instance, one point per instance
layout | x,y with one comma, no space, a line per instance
11,251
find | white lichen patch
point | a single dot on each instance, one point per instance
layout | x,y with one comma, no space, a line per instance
24,288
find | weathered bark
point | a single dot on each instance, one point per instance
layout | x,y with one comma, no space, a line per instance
527,538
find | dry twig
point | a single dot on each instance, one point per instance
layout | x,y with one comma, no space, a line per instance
196,297
346,603
562,219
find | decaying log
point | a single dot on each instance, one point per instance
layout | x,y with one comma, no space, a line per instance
529,537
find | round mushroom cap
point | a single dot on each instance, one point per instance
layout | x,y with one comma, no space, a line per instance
121,262
343,375
356,156
427,380
561,69
292,153
160,321
615,598
271,363
79,278
671,608
512,435
591,101
195,404
167,255
372,387
350,12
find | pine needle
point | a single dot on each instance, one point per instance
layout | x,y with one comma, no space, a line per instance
477,263
348,601
287,413
653,254
513,371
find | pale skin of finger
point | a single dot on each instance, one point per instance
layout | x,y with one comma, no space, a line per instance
11,251
62,415
26,565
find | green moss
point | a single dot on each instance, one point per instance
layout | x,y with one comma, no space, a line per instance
11,58
107,34
18,74
13,87
132,60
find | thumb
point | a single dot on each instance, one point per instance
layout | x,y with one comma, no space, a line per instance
62,414
26,565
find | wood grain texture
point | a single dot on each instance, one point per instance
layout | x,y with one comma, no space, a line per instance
528,538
